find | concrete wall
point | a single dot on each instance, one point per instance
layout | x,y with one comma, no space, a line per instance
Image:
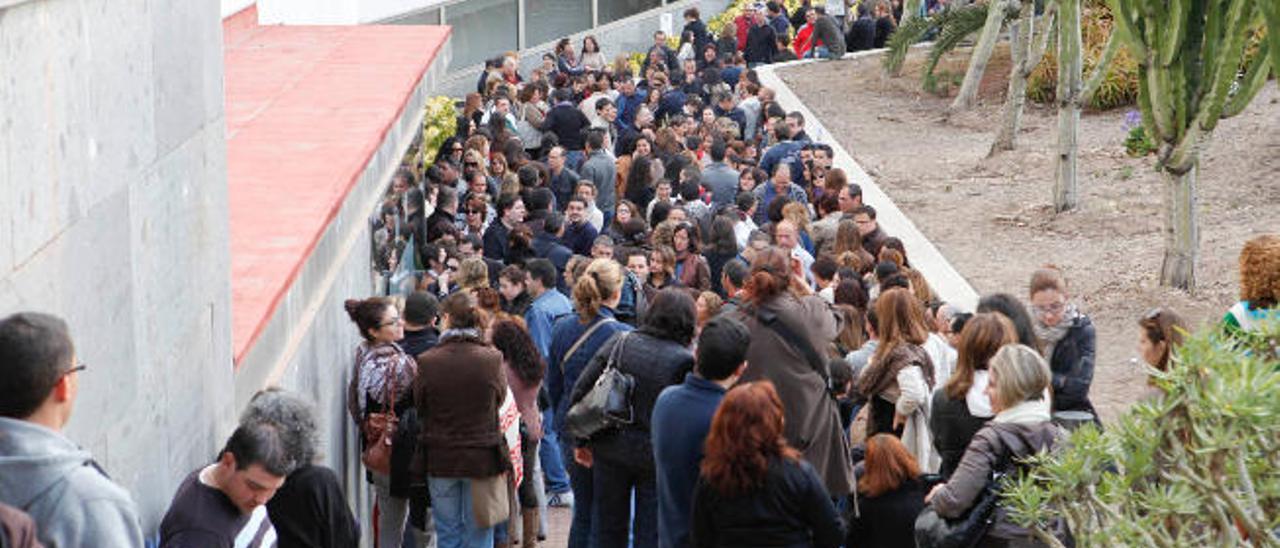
334,12
308,342
633,34
113,206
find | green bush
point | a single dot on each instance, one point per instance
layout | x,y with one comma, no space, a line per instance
1119,86
1195,466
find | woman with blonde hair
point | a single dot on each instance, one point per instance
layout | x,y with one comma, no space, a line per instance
1021,428
574,340
473,274
961,406
755,489
798,214
900,375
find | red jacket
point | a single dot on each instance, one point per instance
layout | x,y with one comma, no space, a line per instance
744,26
802,43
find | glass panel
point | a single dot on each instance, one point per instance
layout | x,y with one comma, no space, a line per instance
429,16
550,20
482,29
613,10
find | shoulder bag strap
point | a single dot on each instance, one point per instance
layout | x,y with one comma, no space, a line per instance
581,339
615,357
771,320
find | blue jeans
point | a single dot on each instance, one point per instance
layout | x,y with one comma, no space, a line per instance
549,452
613,504
580,532
818,52
455,521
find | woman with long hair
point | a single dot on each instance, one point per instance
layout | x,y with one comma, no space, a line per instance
690,267
592,58
961,407
1020,429
1010,307
524,372
382,382
784,316
1259,285
662,268
1160,331
459,389
849,240
722,247
574,341
656,356
890,496
755,489
900,376
1066,338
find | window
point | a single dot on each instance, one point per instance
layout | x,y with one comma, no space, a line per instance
613,10
549,20
482,29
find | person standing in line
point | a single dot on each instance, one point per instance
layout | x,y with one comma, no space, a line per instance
754,488
961,407
574,340
682,418
459,388
382,371
69,496
621,459
223,504
1067,340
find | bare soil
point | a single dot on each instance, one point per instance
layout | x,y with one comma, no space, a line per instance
993,217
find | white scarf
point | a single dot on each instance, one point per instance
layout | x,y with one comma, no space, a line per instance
1049,336
976,398
1027,412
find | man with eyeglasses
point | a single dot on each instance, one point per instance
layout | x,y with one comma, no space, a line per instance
71,499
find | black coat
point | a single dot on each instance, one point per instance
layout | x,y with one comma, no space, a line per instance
311,510
887,521
655,364
762,44
568,123
953,428
790,509
862,34
1072,365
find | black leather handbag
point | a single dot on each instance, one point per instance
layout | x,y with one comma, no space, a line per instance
608,404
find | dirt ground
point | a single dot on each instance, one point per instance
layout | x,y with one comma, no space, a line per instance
993,217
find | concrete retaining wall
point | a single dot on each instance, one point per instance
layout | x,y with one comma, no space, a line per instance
113,203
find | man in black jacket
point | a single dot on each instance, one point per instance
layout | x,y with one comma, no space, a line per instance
567,122
762,41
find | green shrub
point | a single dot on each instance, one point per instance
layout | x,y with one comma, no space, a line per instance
1119,86
1194,466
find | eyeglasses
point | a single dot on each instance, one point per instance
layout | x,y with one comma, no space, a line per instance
394,321
473,212
472,164
75,369
1051,309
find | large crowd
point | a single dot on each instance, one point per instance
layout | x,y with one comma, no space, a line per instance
647,297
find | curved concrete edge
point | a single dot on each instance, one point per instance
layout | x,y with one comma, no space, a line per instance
945,280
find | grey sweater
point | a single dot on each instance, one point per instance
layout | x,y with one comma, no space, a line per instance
71,500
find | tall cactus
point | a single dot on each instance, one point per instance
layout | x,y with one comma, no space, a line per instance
1189,53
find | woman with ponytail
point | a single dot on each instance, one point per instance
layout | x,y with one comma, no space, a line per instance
381,380
574,341
784,317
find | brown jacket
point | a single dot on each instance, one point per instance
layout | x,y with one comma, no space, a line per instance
813,419
460,386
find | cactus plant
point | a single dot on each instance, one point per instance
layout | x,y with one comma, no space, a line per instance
1189,54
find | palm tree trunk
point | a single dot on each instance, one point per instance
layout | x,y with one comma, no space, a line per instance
981,54
1066,193
1181,231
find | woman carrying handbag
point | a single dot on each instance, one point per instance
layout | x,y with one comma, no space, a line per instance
379,394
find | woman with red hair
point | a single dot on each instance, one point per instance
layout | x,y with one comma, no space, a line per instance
754,489
890,496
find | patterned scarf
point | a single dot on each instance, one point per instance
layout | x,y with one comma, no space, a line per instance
1049,336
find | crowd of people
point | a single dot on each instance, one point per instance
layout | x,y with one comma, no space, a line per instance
788,376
